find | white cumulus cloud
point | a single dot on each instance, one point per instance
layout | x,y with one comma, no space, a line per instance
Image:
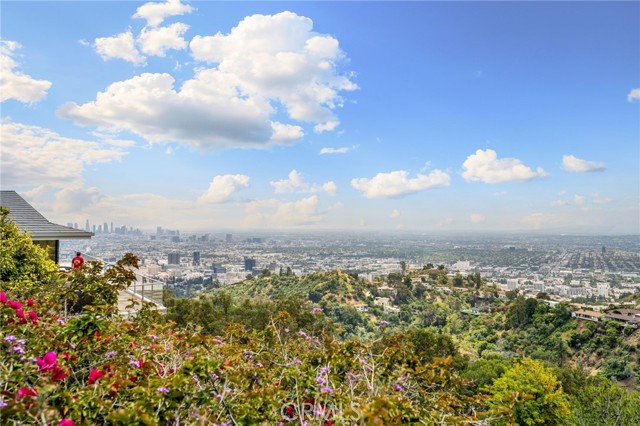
222,187
397,183
155,13
156,41
576,165
634,95
13,83
280,57
33,156
477,218
275,213
205,113
296,183
485,166
121,46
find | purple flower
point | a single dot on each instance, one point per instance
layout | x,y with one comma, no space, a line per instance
397,387
317,309
3,404
135,363
162,389
286,330
111,353
61,322
10,338
320,380
326,389
153,336
259,364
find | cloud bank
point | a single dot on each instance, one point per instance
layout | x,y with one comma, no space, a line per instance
576,165
397,183
485,166
13,83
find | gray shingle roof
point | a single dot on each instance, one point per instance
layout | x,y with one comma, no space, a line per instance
28,219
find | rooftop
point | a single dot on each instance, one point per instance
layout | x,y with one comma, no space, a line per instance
29,220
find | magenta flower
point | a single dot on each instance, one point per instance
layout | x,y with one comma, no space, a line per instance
22,392
33,317
30,302
15,305
3,299
48,362
94,375
66,422
58,374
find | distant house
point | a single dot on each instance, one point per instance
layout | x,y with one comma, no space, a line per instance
627,317
385,290
43,233
587,315
361,307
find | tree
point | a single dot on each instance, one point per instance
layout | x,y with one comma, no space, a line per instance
528,394
20,259
602,403
403,267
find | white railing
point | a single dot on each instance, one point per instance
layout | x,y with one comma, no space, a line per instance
143,289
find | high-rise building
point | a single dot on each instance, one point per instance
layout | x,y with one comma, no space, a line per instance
112,227
196,258
173,258
86,226
69,225
249,264
105,228
94,229
229,238
99,229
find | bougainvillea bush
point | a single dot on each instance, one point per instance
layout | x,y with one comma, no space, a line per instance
97,368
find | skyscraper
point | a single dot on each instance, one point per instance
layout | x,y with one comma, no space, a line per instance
196,258
249,264
173,258
229,238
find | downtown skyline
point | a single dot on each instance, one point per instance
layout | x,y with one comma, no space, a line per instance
363,116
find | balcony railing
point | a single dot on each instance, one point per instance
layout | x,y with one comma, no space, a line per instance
144,289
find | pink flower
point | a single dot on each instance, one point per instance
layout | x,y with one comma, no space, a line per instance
58,374
94,375
48,362
30,302
33,317
15,305
22,392
66,422
3,299
20,314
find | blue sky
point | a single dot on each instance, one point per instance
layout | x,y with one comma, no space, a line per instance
425,116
